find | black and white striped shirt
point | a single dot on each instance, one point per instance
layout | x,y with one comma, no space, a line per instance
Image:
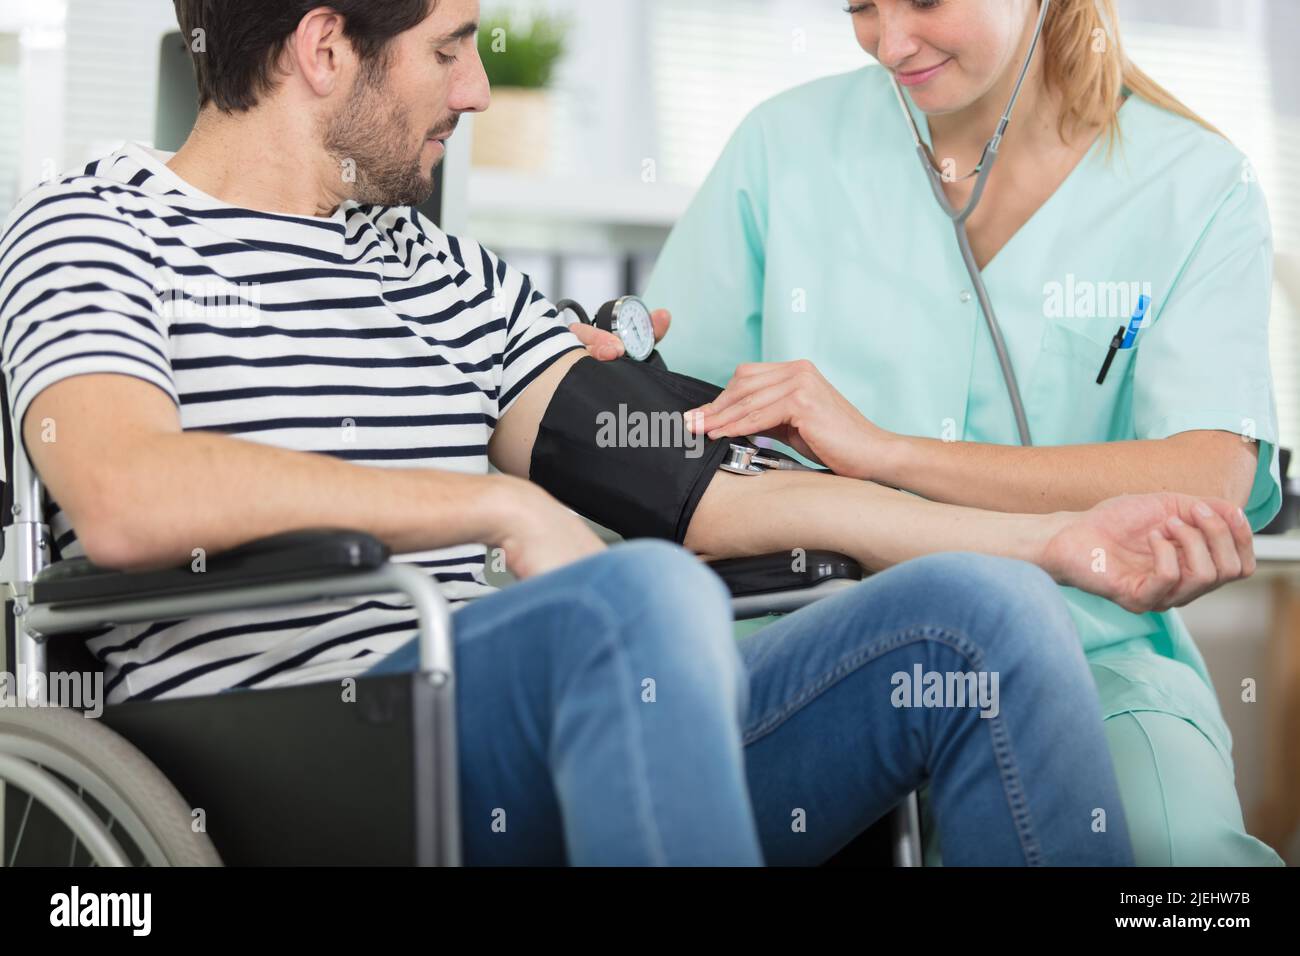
370,336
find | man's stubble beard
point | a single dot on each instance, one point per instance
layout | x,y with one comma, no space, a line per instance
372,133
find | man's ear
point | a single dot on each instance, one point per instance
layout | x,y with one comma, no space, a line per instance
318,51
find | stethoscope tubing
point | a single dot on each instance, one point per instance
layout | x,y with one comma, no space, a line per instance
959,218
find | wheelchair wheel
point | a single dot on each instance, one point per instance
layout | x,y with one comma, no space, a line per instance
78,793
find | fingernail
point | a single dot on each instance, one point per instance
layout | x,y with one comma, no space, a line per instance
1176,522
1203,509
607,353
1241,516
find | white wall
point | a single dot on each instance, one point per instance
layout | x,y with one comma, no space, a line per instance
112,77
31,95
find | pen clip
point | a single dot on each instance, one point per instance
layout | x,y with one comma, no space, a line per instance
1111,352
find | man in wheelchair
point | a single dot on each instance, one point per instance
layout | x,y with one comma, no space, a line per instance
258,334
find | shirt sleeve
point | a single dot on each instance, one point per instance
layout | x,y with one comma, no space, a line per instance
535,334
79,294
1204,362
710,273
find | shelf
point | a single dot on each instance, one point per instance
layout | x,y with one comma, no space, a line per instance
597,202
1278,547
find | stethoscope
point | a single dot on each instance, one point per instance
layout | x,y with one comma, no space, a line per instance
959,218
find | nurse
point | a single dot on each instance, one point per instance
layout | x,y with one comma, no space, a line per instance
816,259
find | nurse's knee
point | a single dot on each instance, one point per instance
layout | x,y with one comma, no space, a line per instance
1179,796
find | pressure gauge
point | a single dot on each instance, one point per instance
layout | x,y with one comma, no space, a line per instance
629,319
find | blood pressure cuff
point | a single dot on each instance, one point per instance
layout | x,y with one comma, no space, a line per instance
613,446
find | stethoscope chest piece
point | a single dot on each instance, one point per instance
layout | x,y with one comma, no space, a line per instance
746,460
740,460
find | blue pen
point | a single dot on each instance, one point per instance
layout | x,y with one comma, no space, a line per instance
1135,323
1123,339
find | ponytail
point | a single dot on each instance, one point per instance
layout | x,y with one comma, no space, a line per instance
1084,62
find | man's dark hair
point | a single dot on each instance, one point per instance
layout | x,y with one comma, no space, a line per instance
235,61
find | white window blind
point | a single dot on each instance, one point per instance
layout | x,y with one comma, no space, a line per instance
713,62
111,91
10,121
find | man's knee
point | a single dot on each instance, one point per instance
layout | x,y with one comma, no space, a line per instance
661,578
982,578
677,610
1013,608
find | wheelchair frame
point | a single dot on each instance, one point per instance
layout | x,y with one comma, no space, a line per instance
27,554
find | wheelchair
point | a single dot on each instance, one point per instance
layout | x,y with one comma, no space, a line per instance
280,776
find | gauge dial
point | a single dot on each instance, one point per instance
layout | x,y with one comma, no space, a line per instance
632,324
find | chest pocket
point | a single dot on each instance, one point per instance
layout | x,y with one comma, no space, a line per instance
1065,404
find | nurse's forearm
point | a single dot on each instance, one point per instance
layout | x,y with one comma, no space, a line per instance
878,527
1070,477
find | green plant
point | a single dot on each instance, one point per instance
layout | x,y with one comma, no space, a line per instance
521,52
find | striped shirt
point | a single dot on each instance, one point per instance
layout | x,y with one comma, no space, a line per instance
370,336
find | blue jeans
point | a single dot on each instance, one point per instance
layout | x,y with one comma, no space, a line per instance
607,716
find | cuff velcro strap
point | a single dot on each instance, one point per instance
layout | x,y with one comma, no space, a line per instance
614,447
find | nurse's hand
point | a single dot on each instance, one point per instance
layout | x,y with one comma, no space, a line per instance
606,346
793,403
1151,552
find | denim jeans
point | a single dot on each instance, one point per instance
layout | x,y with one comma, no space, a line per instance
608,716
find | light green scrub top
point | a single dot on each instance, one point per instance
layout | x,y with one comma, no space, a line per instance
817,236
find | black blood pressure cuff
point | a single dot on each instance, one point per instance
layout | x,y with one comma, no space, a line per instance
614,447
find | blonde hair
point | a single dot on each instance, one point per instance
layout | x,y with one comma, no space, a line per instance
1084,61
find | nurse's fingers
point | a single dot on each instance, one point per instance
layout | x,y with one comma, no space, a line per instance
1218,535
763,410
752,376
747,378
602,345
737,393
660,319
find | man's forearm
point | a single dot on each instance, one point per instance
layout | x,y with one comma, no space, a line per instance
876,526
1069,477
781,510
193,490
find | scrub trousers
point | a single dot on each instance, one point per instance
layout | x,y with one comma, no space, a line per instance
1178,793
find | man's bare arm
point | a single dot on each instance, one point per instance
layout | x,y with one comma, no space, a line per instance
1158,550
778,511
876,526
142,493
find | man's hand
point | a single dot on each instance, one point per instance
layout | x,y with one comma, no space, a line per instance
606,346
1151,552
537,533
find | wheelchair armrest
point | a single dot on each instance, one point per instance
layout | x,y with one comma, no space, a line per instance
293,556
784,571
